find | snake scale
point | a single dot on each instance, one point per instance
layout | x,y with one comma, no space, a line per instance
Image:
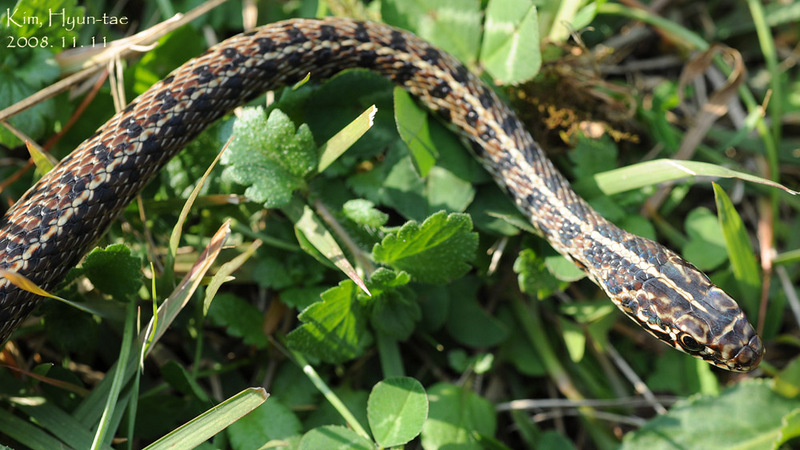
57,221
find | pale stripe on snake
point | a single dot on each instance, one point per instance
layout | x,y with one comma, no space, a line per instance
48,230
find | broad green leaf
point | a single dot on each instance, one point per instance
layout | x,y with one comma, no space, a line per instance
706,245
554,440
395,310
740,251
747,416
335,329
787,383
114,271
489,209
271,421
396,410
563,269
412,124
510,48
534,277
470,325
574,338
241,319
334,437
593,156
417,198
453,25
455,414
435,252
270,156
363,212
790,429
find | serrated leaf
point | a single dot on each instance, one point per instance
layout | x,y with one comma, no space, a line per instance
270,156
335,329
114,271
396,410
240,318
435,252
455,414
510,48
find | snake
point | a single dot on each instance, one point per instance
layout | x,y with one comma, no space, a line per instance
49,229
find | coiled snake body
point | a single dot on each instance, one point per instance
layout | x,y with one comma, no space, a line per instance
48,230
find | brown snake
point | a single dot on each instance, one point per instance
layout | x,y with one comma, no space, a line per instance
52,226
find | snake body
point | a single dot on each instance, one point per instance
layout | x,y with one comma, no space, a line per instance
53,225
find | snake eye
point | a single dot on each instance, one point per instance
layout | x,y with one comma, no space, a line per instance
690,344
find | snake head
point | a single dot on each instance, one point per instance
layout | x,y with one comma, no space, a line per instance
682,308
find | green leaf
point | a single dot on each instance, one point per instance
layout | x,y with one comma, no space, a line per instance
412,124
574,338
435,252
453,25
534,277
211,422
312,230
22,74
270,421
790,429
740,251
455,414
240,318
662,170
747,416
326,413
114,271
395,310
593,156
470,325
270,156
396,410
706,245
179,378
510,49
335,329
334,437
345,138
363,212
